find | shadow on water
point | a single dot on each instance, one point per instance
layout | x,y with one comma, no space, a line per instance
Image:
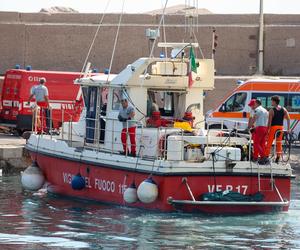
40,221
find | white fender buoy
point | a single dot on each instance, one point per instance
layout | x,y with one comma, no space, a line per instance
147,191
130,194
32,178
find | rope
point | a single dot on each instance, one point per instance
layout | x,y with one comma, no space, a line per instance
94,38
116,40
137,161
200,49
164,34
132,103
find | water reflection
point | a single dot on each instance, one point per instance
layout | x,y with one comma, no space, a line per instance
39,221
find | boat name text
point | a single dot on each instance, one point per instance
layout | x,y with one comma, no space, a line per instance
99,184
219,188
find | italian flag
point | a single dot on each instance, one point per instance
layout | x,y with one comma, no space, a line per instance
192,66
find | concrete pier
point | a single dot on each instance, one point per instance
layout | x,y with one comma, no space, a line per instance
13,156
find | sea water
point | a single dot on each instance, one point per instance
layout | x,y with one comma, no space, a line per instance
41,221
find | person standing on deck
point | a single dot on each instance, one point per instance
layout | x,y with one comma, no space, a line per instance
126,114
41,94
258,124
277,114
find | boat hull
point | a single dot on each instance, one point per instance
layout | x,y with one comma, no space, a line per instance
107,185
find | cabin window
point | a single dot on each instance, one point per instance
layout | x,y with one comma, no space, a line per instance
116,100
92,100
168,104
85,95
235,103
162,101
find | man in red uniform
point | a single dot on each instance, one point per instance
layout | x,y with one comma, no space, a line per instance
258,124
126,115
277,114
41,94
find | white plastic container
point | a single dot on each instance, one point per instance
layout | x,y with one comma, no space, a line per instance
192,154
175,148
223,153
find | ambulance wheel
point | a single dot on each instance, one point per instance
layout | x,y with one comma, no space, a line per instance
20,132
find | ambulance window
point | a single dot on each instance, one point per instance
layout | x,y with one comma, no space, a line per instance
266,101
262,97
282,101
235,102
294,103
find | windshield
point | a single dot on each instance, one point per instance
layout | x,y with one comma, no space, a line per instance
235,103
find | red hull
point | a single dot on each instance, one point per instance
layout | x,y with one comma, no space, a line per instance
107,185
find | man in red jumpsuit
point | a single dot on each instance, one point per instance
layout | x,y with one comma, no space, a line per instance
41,94
126,116
258,125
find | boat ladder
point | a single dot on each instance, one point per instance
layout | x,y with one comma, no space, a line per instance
270,180
261,179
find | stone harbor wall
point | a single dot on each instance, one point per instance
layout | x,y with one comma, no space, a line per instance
61,42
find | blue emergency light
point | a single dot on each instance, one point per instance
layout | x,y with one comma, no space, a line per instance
161,55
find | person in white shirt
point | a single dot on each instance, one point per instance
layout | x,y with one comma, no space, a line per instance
41,94
258,125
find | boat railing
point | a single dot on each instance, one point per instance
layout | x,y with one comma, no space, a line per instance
234,124
113,138
113,143
108,138
162,142
42,120
283,141
234,131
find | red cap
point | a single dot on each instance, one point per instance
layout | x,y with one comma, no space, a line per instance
251,103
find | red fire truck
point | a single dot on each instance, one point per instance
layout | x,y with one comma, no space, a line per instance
64,97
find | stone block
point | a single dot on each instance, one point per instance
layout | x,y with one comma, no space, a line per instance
7,16
11,152
12,166
12,46
280,59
